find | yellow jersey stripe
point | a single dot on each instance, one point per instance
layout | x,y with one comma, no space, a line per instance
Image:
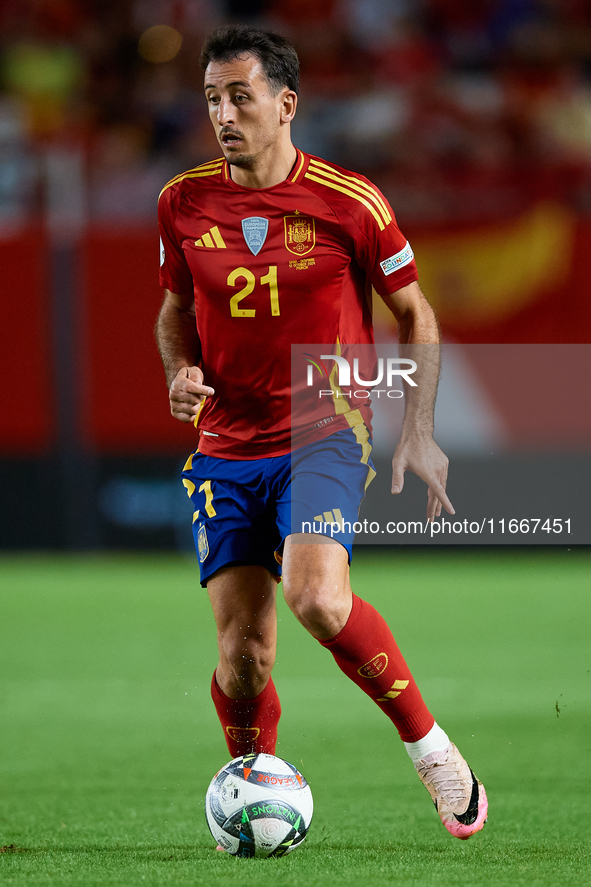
196,416
367,186
192,174
352,182
218,160
353,417
341,404
361,432
350,193
299,167
324,169
201,166
207,241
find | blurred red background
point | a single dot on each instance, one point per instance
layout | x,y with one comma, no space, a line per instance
474,120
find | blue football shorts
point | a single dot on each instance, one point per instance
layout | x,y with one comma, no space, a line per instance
244,510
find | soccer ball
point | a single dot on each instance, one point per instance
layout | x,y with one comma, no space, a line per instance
258,805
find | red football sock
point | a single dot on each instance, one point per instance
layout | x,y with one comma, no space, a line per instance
250,725
368,654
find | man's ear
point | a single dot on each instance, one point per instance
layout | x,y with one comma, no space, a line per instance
289,104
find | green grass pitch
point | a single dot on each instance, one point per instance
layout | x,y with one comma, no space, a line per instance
108,738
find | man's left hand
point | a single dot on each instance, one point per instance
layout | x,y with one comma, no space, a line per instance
423,457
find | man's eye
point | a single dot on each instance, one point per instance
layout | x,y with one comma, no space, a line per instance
213,99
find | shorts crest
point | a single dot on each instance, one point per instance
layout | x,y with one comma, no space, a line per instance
202,543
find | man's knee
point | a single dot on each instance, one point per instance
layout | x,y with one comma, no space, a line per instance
321,606
246,652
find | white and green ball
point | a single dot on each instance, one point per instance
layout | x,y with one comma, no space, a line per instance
259,805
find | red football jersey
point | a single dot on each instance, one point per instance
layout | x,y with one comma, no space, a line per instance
272,267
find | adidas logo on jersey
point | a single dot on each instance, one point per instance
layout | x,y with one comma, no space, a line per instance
212,239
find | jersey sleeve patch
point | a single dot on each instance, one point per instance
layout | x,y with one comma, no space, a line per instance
398,260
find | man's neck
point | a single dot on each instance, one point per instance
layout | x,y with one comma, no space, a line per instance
266,171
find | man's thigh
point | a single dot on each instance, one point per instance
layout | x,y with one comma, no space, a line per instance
234,516
242,596
316,583
326,487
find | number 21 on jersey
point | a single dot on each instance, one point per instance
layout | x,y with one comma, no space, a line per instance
269,280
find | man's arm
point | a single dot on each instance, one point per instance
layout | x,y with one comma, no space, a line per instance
180,350
416,450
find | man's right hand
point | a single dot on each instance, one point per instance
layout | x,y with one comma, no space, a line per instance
187,393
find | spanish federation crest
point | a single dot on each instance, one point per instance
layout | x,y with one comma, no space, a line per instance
255,233
202,543
300,234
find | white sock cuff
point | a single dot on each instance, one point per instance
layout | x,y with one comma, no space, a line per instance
435,740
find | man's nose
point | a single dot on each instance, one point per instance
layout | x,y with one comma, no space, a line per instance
226,112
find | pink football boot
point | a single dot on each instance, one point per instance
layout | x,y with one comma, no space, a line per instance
459,798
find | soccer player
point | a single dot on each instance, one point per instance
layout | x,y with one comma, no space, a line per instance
261,248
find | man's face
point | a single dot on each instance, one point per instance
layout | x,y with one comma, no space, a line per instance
245,114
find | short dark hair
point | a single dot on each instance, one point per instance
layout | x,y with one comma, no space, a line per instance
277,56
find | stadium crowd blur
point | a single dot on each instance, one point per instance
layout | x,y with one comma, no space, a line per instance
455,109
